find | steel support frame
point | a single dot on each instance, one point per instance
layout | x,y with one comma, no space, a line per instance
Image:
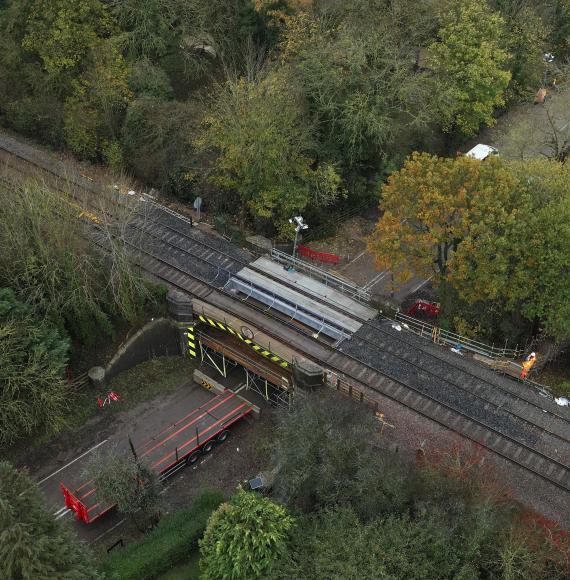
279,395
274,394
208,356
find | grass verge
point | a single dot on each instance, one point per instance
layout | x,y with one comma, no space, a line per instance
190,570
172,542
144,382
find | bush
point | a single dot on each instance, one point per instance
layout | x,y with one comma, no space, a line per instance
148,80
33,355
113,154
173,540
244,538
336,544
565,388
324,459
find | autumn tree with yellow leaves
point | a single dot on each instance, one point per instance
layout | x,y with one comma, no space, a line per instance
428,209
491,232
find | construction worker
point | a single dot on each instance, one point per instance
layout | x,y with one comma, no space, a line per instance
528,363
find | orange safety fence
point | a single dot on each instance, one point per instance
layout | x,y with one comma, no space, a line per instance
318,256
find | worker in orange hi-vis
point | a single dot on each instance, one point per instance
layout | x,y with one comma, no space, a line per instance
528,363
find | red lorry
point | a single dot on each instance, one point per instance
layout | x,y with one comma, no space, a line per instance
180,443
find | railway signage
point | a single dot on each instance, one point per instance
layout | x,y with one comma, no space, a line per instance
207,385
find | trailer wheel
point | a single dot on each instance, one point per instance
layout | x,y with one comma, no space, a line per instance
223,436
208,447
193,458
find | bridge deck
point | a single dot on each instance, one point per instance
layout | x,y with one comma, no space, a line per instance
245,356
316,306
320,291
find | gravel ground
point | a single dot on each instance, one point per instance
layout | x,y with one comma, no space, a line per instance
412,432
404,358
197,233
200,269
435,387
473,370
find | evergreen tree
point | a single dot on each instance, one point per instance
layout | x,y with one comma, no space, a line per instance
33,546
33,356
244,538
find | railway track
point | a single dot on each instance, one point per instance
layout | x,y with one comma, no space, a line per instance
519,447
404,392
389,345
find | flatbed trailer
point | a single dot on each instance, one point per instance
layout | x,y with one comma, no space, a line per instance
181,443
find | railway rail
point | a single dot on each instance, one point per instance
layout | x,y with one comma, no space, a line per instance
362,373
389,344
385,344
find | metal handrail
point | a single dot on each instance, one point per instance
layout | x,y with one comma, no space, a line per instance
328,279
452,338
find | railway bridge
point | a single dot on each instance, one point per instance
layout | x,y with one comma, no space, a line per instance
254,314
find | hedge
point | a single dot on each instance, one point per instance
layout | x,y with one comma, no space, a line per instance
170,543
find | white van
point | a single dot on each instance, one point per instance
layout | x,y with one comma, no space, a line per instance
481,152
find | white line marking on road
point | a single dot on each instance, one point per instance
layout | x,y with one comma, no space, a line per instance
107,531
73,461
375,280
60,510
422,283
65,513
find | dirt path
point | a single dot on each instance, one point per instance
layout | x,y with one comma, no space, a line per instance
525,130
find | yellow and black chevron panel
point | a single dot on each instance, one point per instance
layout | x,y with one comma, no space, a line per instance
191,341
258,348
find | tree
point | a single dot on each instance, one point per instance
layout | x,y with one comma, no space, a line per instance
262,139
323,457
158,143
494,233
127,481
428,208
48,259
558,129
33,356
560,35
32,544
470,63
357,69
147,26
61,32
94,110
522,261
540,251
28,101
336,544
149,80
526,37
245,537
